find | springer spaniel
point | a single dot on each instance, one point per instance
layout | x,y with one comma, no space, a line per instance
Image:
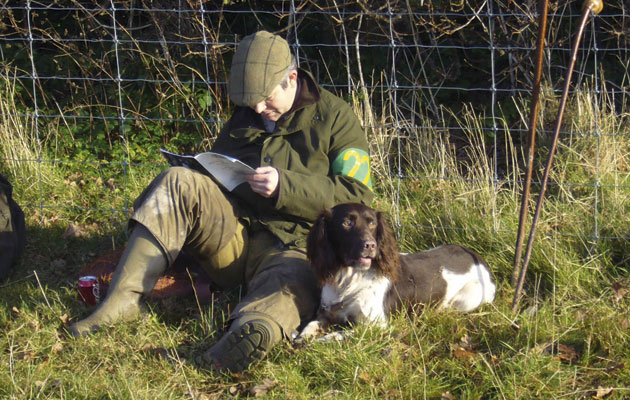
363,277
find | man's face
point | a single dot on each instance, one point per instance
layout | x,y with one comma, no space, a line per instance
279,101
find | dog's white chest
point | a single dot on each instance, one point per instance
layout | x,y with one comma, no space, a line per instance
355,295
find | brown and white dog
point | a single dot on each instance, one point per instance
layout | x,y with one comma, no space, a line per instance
364,278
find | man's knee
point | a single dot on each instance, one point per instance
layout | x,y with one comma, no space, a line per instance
226,266
286,291
185,180
179,173
184,208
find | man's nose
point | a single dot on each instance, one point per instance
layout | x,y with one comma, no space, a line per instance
260,107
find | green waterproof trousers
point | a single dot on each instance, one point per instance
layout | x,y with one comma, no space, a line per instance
186,210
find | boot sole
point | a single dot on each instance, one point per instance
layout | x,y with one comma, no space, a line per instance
238,349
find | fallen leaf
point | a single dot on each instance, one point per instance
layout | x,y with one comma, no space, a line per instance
602,392
35,325
156,351
65,319
57,348
463,355
562,352
74,231
263,388
620,291
196,395
236,390
567,353
364,376
27,356
43,365
466,343
111,183
463,350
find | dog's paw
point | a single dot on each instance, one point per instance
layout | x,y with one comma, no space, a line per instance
338,336
313,329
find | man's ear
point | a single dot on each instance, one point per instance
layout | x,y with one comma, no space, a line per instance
292,79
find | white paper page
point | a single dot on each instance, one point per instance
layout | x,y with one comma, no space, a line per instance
227,170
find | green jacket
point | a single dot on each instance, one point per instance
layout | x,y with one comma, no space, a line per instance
320,151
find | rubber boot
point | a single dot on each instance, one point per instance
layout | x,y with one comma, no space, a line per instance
248,341
141,265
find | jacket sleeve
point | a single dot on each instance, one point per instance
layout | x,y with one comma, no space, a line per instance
348,178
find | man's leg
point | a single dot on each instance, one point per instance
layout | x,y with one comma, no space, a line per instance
180,209
281,293
138,270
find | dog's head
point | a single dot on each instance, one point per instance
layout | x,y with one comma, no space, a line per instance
352,235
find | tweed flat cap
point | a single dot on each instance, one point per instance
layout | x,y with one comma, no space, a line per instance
259,64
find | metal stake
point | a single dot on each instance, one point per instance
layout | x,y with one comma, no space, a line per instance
533,119
596,7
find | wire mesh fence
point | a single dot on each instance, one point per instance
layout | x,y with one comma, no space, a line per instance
102,85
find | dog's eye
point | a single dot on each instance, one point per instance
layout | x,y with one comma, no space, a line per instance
347,223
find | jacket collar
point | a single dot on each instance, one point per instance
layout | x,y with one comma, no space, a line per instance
308,91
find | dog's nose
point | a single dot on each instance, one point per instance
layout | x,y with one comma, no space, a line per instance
369,245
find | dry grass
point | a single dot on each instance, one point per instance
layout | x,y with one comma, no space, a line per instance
568,340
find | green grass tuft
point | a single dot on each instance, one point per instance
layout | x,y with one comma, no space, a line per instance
568,338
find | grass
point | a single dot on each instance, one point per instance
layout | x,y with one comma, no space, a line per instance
569,338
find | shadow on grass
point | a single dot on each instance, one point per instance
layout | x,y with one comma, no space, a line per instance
51,264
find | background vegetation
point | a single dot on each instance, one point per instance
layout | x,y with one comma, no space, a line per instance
90,91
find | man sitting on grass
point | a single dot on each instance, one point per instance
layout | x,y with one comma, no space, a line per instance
309,153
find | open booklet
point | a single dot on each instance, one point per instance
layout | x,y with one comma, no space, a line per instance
228,171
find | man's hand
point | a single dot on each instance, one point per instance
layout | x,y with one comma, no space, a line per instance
264,181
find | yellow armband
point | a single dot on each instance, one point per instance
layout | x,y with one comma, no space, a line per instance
354,163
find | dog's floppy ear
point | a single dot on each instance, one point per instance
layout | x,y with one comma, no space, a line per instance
387,257
318,248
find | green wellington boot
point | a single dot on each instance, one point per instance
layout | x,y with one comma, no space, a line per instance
141,265
248,341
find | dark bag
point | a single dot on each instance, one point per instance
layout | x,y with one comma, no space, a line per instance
12,228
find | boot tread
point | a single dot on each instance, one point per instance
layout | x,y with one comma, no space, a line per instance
238,348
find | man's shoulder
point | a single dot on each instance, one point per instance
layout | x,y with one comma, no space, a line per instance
323,97
333,102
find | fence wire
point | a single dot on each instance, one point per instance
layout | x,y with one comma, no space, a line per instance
106,75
